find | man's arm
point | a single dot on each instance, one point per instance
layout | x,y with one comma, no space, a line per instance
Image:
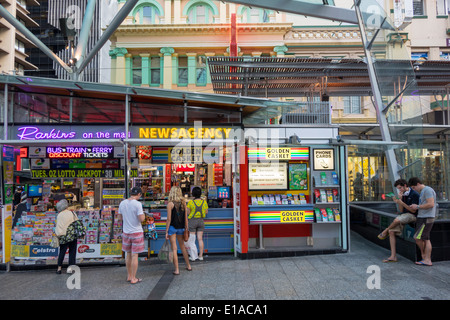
429,203
404,206
141,214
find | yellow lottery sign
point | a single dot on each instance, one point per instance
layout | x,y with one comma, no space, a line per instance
292,216
184,133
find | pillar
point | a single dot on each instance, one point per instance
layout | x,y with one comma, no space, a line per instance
128,69
113,56
167,59
120,65
168,11
280,50
177,11
145,65
191,69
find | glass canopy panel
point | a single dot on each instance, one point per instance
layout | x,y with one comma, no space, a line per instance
395,77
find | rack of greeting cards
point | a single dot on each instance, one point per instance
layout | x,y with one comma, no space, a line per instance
33,231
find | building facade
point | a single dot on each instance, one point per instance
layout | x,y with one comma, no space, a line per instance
13,44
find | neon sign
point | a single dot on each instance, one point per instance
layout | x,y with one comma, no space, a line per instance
33,133
38,133
80,152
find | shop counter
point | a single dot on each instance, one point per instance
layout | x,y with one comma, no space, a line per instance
281,215
217,237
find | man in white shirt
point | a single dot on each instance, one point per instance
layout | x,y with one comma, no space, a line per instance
133,234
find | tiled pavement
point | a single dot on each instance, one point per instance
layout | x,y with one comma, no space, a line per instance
321,277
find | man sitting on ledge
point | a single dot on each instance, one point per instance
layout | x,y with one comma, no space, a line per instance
406,197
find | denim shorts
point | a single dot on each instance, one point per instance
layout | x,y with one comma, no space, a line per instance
172,231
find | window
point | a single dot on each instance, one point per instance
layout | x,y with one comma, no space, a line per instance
155,70
419,7
441,7
23,3
19,69
254,15
182,71
200,71
352,105
20,46
200,13
137,70
147,14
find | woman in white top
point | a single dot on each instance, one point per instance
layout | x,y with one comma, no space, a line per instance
63,220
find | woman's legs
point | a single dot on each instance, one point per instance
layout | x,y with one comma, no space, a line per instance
62,253
72,252
180,239
201,245
173,244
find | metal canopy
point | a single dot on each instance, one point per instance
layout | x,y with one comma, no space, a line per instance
272,77
98,93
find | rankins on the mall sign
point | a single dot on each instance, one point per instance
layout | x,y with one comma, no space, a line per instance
184,133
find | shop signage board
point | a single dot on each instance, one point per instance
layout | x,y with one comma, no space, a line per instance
98,250
68,132
323,159
267,176
81,173
301,153
282,216
71,132
196,132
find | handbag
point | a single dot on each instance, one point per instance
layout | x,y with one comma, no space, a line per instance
75,230
186,235
165,254
54,242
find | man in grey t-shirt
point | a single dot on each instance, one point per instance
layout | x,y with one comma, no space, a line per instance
427,208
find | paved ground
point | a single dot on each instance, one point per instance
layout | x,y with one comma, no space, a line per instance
325,278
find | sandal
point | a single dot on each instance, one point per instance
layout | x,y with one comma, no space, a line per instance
189,269
389,260
421,263
381,237
138,280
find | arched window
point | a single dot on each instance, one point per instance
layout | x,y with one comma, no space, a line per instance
200,11
200,14
147,13
254,15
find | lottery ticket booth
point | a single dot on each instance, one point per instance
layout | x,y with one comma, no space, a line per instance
291,188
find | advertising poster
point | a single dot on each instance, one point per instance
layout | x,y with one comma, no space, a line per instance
7,192
298,176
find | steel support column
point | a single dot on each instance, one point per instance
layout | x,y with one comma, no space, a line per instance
115,23
378,102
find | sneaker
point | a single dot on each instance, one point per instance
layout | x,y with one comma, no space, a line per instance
200,258
192,259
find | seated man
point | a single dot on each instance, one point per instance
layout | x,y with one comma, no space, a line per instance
406,197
